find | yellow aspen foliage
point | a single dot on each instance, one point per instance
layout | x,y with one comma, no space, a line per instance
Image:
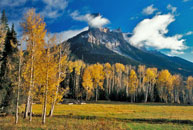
133,82
177,88
108,73
88,82
149,81
33,34
97,75
164,82
189,86
120,68
107,70
141,74
189,83
2,38
93,78
70,66
78,65
57,92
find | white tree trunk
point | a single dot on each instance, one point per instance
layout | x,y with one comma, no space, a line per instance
18,89
57,89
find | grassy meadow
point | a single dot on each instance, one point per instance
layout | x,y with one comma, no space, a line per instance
108,116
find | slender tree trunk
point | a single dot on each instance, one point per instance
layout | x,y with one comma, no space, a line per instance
45,102
86,96
74,85
18,89
31,84
31,97
46,90
107,91
146,94
57,89
113,82
77,86
96,94
176,96
27,106
190,96
127,93
30,106
134,97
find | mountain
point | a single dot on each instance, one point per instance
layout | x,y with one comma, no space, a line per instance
103,45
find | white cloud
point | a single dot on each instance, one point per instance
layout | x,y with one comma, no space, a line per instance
189,33
54,8
65,35
151,33
92,20
186,0
149,10
175,52
12,3
57,4
172,8
134,17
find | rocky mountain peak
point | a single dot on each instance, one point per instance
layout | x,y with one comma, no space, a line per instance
105,45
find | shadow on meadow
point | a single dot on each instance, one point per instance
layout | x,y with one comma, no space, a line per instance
140,104
137,120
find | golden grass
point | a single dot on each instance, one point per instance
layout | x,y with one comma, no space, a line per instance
107,116
57,123
124,111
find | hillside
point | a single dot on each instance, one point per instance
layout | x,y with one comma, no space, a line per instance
103,45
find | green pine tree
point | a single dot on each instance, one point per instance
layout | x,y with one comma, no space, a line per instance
4,20
8,75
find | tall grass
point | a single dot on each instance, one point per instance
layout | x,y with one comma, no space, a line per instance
107,116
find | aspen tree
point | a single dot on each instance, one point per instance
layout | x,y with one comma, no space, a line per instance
189,86
177,83
33,33
98,78
108,77
133,82
88,82
164,84
141,74
150,80
20,53
61,74
126,79
120,68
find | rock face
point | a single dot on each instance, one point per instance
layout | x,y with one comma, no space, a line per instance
103,45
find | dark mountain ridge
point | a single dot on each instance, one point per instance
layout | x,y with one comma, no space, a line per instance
103,45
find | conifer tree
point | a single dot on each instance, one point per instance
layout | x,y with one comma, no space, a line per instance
9,63
4,20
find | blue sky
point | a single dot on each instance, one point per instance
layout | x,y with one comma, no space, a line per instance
167,24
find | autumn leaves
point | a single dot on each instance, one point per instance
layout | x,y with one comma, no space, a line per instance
46,65
43,66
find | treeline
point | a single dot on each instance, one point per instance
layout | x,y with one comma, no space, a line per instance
127,83
43,74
